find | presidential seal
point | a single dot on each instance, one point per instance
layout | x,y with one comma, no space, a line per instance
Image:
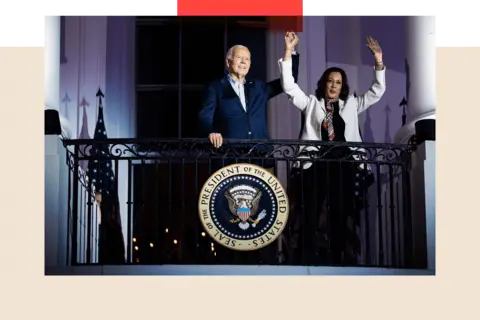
243,207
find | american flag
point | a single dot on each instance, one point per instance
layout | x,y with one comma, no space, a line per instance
112,246
100,171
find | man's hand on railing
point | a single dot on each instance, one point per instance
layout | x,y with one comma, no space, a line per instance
216,139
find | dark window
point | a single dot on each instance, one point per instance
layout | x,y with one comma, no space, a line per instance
158,113
202,20
236,19
157,54
202,52
191,103
176,57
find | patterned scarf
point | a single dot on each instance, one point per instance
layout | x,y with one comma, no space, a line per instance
328,122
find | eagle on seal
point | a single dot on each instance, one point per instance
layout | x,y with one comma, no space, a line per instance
243,202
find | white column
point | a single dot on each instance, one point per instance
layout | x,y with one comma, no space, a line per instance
421,99
421,57
52,62
55,169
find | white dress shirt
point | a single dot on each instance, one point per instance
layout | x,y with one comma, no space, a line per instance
239,88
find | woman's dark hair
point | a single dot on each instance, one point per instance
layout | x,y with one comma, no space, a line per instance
322,83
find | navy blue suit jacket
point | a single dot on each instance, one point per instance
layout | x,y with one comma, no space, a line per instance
222,111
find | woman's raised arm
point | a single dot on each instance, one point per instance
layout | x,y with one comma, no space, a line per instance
378,86
297,97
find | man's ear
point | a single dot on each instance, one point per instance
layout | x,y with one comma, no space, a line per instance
227,62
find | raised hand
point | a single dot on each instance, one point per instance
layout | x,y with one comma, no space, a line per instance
375,48
291,40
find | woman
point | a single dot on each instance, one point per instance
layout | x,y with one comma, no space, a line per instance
331,114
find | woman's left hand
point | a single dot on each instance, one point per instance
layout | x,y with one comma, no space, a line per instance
375,48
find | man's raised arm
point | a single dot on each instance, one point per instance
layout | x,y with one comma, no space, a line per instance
274,87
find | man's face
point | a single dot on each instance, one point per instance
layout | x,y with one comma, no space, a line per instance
239,65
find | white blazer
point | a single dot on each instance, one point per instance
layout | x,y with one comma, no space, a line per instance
314,110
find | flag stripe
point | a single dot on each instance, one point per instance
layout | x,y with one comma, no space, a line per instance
245,8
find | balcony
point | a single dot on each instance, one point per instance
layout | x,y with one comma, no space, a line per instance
349,212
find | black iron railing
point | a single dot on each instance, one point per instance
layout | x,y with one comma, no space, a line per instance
351,206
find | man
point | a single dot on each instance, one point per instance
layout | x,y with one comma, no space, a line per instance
235,106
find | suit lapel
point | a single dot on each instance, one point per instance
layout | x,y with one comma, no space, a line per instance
229,93
322,105
320,110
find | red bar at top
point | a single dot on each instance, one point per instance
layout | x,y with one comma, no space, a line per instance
243,8
311,4
285,23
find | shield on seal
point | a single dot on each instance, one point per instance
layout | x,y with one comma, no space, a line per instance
243,213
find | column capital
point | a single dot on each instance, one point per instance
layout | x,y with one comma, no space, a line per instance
408,130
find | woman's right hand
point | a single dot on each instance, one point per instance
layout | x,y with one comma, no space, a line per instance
291,40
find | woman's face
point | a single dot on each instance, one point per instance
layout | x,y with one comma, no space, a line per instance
334,85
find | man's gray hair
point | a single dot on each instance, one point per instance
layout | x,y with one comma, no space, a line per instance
230,51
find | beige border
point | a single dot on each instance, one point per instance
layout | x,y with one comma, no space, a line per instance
458,84
22,166
22,172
